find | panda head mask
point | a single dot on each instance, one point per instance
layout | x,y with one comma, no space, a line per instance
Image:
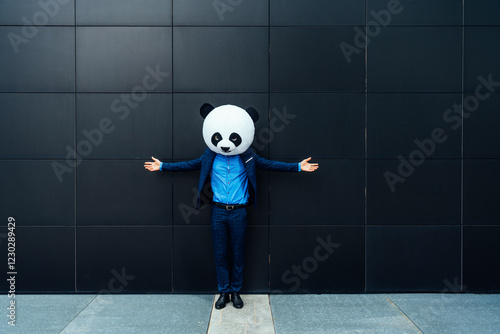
228,129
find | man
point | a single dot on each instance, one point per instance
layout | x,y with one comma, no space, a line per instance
230,165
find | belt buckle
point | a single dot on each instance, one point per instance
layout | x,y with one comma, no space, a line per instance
229,207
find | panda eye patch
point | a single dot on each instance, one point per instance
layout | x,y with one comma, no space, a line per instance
216,138
235,139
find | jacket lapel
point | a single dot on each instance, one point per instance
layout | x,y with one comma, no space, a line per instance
206,166
248,159
207,161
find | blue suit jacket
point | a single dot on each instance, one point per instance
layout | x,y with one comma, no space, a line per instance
250,160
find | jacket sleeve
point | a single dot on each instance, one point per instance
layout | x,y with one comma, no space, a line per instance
272,165
181,166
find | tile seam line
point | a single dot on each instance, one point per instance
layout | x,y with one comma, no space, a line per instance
404,314
365,160
76,316
271,311
462,153
123,25
75,138
211,314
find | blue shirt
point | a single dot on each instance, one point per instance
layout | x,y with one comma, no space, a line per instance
229,180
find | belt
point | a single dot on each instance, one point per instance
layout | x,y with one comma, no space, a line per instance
229,206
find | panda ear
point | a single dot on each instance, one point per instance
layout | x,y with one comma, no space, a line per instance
253,113
206,109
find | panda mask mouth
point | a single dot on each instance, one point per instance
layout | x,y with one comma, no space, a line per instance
228,129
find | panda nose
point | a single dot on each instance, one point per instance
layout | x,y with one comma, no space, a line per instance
225,149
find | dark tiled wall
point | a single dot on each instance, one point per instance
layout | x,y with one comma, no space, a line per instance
406,198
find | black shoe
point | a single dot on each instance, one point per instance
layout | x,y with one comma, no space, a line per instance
236,299
222,301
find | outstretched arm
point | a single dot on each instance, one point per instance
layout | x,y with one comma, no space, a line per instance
305,166
156,165
273,165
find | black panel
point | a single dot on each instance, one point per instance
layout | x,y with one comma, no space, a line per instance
124,12
339,134
220,59
259,214
221,12
122,59
481,196
36,125
114,129
481,258
323,12
426,194
188,123
36,12
115,260
310,60
317,259
122,193
256,273
422,12
194,266
45,258
332,195
413,258
44,62
32,193
185,195
409,59
481,12
400,123
481,118
481,65
185,191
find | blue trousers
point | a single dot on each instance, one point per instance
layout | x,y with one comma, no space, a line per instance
229,231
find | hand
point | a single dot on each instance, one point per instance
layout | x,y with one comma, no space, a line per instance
307,167
152,166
